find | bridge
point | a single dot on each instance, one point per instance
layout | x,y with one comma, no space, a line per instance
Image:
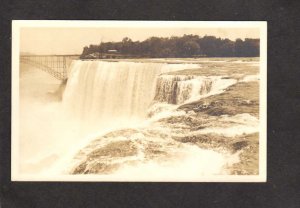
56,65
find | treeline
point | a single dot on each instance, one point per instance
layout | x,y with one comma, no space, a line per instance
178,47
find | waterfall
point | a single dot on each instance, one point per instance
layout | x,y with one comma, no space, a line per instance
97,90
178,89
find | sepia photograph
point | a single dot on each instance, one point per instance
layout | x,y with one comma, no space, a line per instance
153,101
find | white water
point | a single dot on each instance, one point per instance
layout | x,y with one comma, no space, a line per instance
250,78
179,89
189,164
241,124
98,91
103,96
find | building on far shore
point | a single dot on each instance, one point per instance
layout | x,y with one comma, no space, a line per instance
112,51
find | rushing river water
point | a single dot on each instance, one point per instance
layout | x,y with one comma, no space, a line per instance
122,120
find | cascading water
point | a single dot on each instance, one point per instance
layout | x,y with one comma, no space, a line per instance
98,91
178,89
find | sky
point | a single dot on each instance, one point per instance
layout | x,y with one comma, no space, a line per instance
61,40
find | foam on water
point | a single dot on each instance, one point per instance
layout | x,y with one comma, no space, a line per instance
251,78
242,124
189,164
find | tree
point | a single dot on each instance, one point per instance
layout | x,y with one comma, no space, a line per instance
239,50
84,52
191,48
126,45
185,46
